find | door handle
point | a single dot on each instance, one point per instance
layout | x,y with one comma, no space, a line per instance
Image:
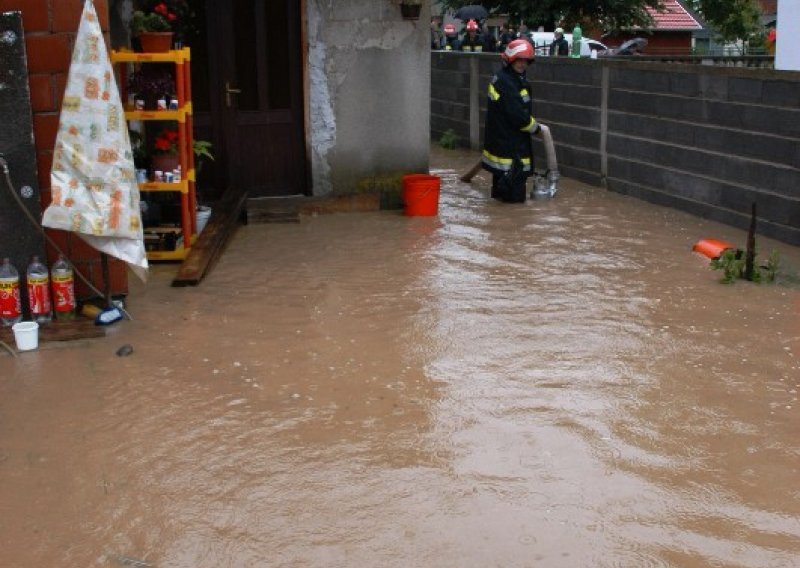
228,92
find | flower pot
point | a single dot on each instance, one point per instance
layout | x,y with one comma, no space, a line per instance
155,42
410,11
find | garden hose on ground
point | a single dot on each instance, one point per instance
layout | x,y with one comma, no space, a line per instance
32,219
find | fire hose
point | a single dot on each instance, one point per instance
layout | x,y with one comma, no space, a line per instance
551,175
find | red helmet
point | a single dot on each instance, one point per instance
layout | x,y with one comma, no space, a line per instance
472,25
518,49
449,29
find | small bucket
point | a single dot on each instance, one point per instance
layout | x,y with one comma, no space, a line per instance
421,195
712,248
26,334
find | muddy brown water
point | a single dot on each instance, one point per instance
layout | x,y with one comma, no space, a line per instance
556,384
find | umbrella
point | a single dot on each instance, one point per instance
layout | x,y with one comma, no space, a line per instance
471,12
631,46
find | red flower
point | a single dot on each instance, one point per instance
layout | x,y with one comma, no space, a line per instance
161,9
167,141
172,17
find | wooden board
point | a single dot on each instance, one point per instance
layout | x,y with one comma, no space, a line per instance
225,216
81,328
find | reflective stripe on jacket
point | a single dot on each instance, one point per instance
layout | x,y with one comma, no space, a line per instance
509,122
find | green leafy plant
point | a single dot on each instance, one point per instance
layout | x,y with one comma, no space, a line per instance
733,263
162,16
202,151
140,156
449,139
148,22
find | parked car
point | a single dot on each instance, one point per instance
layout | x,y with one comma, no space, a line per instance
542,40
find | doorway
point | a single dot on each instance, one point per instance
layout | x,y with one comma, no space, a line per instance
247,71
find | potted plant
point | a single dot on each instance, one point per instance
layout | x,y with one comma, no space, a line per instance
150,83
410,9
156,23
165,150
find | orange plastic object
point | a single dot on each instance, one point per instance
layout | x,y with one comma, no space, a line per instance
421,194
712,248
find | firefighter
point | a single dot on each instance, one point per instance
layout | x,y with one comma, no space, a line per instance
451,42
472,40
508,150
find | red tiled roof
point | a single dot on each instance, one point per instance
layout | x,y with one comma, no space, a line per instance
673,17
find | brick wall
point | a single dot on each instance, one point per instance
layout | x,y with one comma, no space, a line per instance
705,139
50,28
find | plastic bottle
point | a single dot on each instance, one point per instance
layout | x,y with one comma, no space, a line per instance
63,283
10,303
577,35
38,279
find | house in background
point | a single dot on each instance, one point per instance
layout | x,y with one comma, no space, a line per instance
672,33
299,97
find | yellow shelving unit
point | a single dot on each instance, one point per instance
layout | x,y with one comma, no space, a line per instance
185,237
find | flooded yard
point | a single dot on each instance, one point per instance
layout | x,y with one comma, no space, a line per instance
561,383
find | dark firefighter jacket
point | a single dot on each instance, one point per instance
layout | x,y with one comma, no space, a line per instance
451,43
474,43
509,123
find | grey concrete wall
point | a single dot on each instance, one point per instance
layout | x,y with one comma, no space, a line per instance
19,238
708,140
369,87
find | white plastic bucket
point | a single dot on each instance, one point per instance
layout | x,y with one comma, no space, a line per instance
203,213
26,334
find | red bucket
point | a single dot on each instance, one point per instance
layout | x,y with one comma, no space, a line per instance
421,195
712,248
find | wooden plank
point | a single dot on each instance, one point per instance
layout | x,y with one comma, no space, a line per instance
81,328
205,252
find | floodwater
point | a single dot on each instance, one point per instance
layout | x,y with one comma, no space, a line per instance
556,384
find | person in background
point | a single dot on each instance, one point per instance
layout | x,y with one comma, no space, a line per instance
772,37
437,38
508,149
489,40
507,35
523,33
451,42
560,45
472,40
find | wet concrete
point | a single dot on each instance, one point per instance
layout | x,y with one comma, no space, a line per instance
556,384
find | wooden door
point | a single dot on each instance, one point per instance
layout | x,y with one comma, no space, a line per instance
252,61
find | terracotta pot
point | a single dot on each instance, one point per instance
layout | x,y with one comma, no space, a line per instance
155,42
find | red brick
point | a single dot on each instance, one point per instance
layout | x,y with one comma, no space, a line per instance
48,53
35,13
67,14
44,163
41,93
60,238
60,85
45,128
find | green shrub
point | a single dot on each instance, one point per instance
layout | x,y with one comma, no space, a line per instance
449,139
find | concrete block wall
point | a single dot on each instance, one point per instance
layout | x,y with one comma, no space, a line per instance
707,140
50,28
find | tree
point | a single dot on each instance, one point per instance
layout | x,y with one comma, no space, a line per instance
608,14
731,19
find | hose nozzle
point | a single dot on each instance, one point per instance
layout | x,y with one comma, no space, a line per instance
3,164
